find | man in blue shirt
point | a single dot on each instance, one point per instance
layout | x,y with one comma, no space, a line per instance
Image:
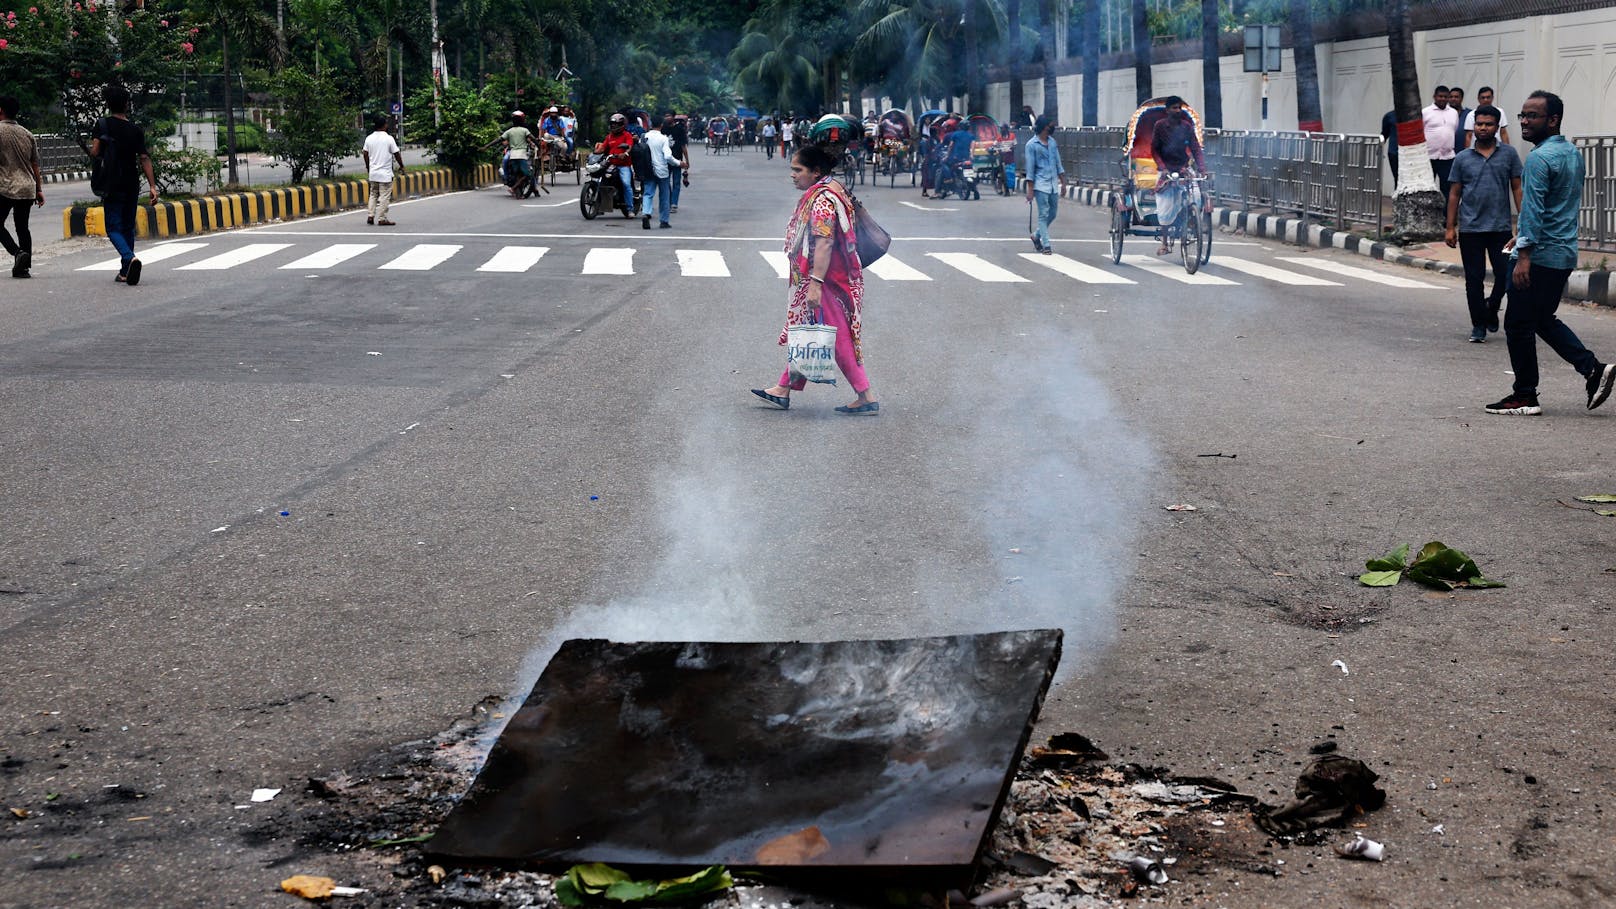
1484,179
1545,254
1044,171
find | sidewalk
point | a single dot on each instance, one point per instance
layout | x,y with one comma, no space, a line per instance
1589,284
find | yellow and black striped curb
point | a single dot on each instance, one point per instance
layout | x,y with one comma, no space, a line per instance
227,210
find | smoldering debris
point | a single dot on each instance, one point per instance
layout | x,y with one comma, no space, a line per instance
1330,792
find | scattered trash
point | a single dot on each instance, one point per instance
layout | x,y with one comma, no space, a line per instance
312,887
436,873
584,884
1439,830
1361,847
373,353
998,897
406,429
1015,550
1147,870
594,498
1065,749
1181,508
20,812
1026,863
401,841
1324,747
220,529
1342,665
264,795
1330,791
1218,455
286,514
1436,566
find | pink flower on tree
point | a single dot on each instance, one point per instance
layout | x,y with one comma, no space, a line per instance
2,44
128,24
187,46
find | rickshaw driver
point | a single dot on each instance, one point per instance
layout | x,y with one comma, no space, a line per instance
1172,145
616,147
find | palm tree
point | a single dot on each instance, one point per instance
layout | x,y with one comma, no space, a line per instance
251,27
1309,114
1211,71
1141,53
1012,46
1418,210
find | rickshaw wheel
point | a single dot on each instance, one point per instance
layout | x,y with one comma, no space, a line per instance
1119,229
1190,243
1206,237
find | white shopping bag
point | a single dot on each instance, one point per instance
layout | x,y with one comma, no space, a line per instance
811,352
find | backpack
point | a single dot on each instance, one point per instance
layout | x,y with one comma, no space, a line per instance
640,156
102,168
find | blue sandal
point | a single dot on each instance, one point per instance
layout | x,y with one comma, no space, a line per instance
872,407
776,400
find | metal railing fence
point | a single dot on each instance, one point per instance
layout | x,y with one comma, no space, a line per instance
1596,221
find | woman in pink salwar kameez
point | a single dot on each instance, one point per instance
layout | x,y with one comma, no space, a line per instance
826,279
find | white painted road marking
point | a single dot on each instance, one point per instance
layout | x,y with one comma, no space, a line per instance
335,254
515,259
702,263
1363,274
979,268
888,268
1171,269
609,261
238,256
1072,268
1283,276
147,256
777,261
423,257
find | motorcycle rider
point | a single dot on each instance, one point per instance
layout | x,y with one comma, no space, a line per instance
958,154
616,147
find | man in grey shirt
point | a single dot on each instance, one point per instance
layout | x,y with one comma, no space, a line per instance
1484,180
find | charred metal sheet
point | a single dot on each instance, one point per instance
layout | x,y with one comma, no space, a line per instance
848,754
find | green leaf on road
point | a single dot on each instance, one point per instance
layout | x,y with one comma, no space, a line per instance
1379,578
593,884
1395,560
1606,514
1603,498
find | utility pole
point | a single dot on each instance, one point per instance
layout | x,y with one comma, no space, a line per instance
437,68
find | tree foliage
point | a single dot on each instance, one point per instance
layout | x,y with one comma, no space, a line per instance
318,132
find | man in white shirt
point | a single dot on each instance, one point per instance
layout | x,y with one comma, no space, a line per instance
1484,98
1441,133
656,141
785,138
380,154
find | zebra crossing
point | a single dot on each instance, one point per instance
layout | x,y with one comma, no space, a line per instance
1083,263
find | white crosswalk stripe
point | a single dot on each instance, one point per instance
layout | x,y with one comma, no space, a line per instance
608,261
514,259
777,261
1362,274
979,268
333,255
1173,271
701,263
1072,268
238,256
423,257
888,268
1281,275
147,256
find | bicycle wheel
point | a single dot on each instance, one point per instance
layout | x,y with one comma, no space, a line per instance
1120,219
1189,240
1206,237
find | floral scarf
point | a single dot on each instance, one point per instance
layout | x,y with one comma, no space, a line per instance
825,210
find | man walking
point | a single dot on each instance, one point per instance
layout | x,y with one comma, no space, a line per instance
786,130
121,145
1545,254
1485,179
660,156
380,154
1484,98
1456,98
1441,128
768,139
1044,171
1388,132
20,185
678,160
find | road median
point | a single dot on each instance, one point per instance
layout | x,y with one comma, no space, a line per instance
223,211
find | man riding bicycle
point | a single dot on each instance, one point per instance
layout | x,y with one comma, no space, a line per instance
1173,145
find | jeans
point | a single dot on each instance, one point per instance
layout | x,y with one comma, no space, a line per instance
662,192
1476,249
1048,204
24,243
625,175
119,217
1531,316
676,180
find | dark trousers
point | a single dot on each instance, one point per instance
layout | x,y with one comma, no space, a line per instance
1442,169
18,209
1392,159
1531,316
1476,250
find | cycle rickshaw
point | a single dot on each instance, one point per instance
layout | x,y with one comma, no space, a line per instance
1133,209
986,165
894,147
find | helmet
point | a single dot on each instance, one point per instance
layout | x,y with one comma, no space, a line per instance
517,113
617,119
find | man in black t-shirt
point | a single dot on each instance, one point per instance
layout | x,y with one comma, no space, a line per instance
126,160
1174,146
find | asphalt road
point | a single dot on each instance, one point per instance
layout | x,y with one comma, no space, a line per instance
291,501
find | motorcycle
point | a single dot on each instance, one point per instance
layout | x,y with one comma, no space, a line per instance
959,178
602,190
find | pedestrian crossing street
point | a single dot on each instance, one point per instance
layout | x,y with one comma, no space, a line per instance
1083,263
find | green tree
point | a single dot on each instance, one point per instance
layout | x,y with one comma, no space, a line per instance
319,130
251,28
469,121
